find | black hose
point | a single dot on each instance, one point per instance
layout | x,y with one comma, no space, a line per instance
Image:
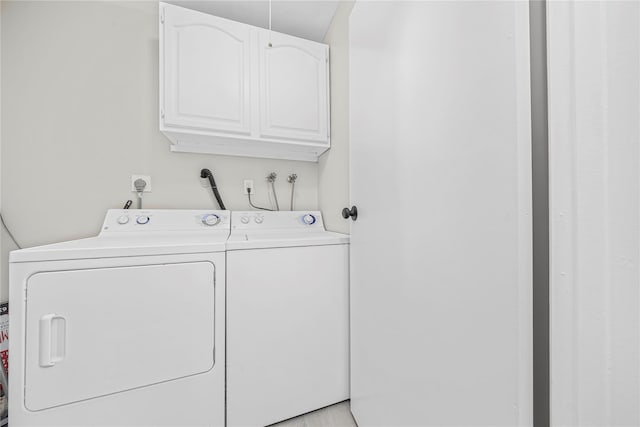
206,173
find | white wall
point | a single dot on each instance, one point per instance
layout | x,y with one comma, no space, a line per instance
333,181
594,173
80,98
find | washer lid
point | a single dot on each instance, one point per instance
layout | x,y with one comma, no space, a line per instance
124,245
281,229
251,239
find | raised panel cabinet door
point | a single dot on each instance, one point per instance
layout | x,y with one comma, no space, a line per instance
205,71
293,88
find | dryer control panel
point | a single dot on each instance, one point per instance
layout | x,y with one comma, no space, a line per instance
165,220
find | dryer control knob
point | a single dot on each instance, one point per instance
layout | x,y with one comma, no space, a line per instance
258,219
142,219
123,219
244,220
211,219
309,219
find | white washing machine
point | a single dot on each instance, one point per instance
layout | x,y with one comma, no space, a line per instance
123,329
287,317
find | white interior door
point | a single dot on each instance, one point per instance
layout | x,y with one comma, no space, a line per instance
441,251
594,171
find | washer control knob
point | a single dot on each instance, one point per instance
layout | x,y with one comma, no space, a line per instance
309,219
210,219
143,219
123,219
244,220
258,219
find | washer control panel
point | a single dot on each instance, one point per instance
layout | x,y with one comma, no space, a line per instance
211,219
164,220
143,219
309,219
280,220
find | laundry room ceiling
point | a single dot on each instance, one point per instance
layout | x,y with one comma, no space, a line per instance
308,19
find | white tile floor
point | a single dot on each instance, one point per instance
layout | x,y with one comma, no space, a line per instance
337,415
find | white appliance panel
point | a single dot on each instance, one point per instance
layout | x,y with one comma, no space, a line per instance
441,318
93,332
287,334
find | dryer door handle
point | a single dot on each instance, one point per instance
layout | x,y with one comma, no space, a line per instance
52,339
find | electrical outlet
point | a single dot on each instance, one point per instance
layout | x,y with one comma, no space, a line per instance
145,178
248,184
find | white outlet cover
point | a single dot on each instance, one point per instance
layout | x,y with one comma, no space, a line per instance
146,178
249,183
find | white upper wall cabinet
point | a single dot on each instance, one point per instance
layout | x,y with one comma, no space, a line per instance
231,88
207,81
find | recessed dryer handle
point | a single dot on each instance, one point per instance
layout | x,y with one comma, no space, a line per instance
52,339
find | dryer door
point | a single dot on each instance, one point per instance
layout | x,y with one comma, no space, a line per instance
94,332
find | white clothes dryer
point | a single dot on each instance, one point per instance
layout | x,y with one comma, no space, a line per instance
287,317
123,329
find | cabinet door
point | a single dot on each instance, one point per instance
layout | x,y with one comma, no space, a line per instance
206,65
293,88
